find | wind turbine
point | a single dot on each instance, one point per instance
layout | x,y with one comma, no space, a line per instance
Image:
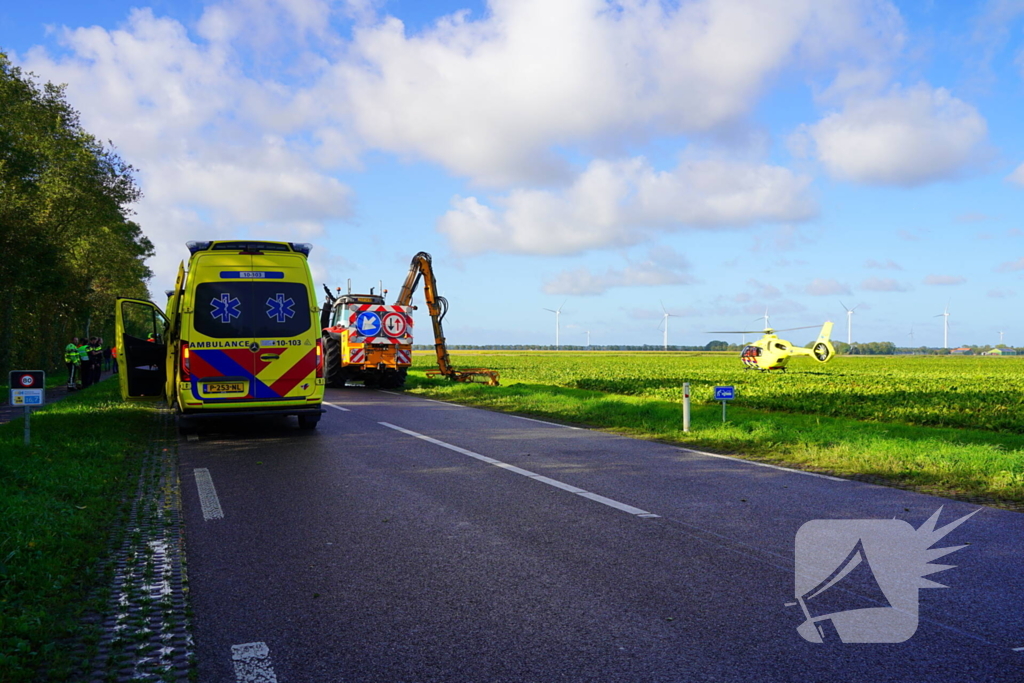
558,315
945,326
849,320
766,325
664,321
911,335
1001,336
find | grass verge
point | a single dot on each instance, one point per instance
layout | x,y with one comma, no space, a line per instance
59,497
976,465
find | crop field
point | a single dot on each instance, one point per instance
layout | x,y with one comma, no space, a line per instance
970,392
952,425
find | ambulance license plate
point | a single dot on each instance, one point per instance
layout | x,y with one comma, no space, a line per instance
224,388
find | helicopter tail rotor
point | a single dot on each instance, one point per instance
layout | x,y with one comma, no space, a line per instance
823,349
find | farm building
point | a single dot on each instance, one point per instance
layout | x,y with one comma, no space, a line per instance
962,351
1000,352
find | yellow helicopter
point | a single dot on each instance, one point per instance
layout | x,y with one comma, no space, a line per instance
771,353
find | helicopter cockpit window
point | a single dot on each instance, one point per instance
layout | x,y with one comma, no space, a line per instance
751,352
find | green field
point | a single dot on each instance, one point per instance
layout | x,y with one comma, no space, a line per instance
945,424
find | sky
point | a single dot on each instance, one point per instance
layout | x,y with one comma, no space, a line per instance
709,159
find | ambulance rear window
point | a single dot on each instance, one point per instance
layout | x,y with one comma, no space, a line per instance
265,310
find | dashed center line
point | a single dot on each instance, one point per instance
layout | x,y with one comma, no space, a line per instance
629,509
252,663
331,405
207,494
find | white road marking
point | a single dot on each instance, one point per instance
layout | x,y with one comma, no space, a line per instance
252,663
331,405
1018,649
553,424
629,509
207,494
762,464
192,437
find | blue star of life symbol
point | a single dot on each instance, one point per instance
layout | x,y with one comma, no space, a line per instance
226,308
280,308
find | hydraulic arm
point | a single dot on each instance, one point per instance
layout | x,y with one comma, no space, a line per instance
422,269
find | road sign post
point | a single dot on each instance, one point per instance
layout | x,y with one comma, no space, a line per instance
28,389
686,406
724,394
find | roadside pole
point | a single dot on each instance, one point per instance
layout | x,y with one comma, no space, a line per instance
28,388
686,406
724,394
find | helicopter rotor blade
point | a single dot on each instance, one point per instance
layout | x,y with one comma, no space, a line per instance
805,327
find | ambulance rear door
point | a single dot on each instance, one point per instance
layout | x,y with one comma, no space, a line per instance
141,328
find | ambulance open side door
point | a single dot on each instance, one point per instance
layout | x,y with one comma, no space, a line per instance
141,329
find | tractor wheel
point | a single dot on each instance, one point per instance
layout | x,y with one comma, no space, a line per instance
332,363
395,379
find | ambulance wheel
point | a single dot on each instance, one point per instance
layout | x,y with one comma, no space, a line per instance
308,421
332,363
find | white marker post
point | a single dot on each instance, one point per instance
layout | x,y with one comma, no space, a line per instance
28,388
686,407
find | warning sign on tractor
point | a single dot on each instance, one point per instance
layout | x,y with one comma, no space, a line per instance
394,324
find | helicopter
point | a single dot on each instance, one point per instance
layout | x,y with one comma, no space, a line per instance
771,353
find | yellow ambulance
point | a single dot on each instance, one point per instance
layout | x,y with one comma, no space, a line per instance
240,335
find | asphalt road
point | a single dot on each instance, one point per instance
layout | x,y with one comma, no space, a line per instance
505,549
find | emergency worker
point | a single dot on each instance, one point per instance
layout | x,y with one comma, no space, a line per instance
84,363
96,358
73,362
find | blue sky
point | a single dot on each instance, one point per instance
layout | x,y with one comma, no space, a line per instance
715,157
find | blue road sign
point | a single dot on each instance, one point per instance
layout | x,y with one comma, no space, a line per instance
368,324
725,393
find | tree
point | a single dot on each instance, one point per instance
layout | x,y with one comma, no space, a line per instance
69,246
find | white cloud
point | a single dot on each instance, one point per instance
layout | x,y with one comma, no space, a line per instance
1017,177
945,280
826,286
488,97
906,137
663,267
1011,266
883,284
621,203
1000,293
888,264
211,145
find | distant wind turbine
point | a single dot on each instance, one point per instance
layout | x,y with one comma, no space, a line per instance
766,325
664,321
558,314
945,326
849,322
911,335
1001,336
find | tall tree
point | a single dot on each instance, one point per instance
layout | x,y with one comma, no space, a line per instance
69,245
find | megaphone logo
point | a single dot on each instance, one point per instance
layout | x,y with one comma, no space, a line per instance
857,580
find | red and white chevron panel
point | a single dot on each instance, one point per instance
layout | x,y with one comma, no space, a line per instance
357,355
394,318
403,357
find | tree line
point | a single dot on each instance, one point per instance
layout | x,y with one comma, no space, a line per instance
68,244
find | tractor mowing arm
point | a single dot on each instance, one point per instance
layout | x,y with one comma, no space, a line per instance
422,269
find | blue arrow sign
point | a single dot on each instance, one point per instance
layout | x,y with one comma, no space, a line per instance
725,393
368,324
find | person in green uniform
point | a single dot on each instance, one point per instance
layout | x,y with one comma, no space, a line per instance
85,364
73,362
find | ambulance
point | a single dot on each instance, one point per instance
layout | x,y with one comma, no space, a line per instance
240,335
